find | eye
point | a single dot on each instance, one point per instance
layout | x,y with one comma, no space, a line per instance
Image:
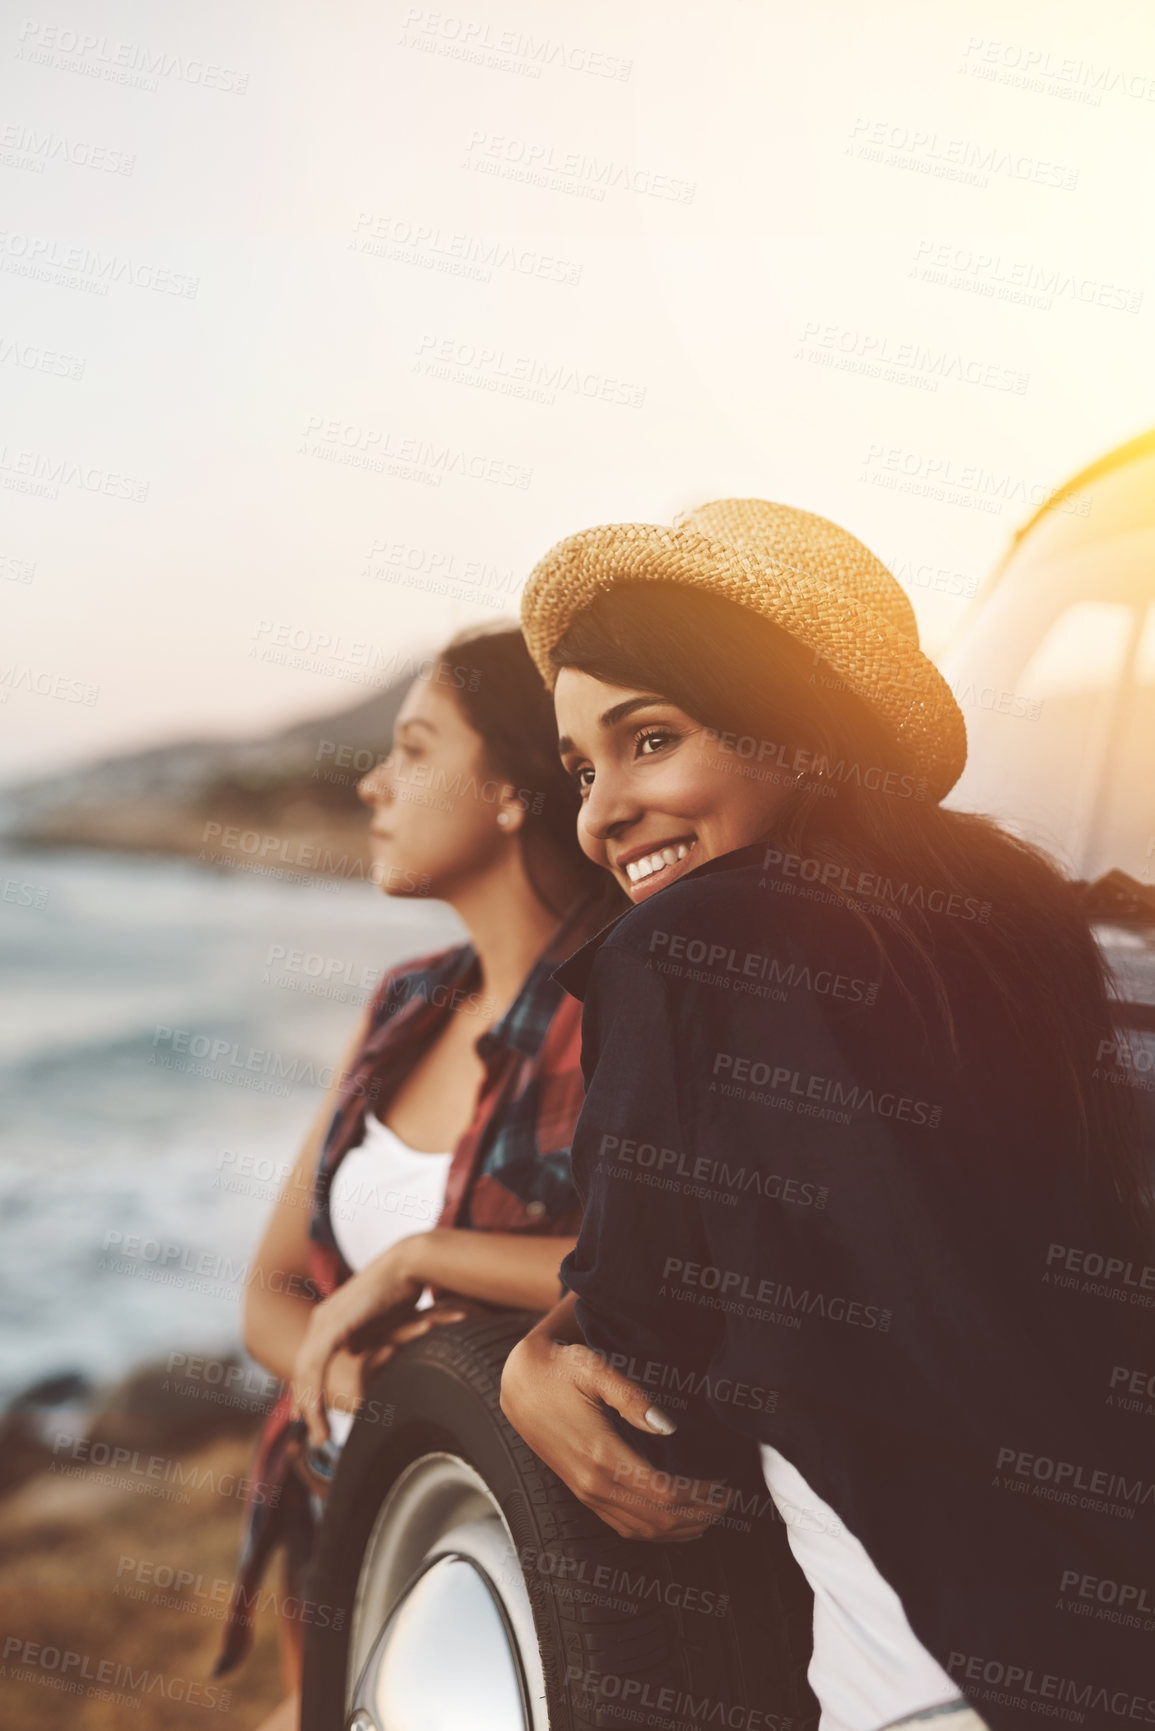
646,734
575,776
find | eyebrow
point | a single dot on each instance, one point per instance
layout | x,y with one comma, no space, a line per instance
414,721
611,717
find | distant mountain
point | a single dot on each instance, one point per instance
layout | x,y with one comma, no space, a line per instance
302,777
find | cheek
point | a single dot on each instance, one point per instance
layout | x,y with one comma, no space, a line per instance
696,788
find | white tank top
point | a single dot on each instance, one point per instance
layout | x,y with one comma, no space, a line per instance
868,1666
381,1192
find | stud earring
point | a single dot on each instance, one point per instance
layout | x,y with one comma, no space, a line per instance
503,817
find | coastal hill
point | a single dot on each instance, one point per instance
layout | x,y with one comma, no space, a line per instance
297,784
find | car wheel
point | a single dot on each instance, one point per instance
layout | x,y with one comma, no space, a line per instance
458,1583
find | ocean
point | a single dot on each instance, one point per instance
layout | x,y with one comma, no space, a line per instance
167,1031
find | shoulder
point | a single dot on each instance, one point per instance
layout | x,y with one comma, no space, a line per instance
733,950
702,919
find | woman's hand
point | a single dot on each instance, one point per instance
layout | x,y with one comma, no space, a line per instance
555,1395
364,1312
345,1380
348,1372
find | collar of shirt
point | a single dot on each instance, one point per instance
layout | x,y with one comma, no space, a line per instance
573,974
525,1023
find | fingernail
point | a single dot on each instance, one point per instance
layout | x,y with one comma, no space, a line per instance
660,1421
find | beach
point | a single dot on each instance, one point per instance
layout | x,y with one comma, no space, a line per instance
171,1030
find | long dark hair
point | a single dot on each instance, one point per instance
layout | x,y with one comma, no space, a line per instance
852,800
501,695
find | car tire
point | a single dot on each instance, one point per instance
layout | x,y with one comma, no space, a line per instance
625,1632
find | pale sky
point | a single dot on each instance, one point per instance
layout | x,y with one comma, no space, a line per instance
381,216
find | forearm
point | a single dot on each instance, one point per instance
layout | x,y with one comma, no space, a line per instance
496,1267
274,1327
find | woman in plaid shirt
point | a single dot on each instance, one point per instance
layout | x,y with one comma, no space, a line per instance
473,1049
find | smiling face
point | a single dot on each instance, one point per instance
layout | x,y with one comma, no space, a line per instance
659,793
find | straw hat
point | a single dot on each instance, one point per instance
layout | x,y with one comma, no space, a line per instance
811,578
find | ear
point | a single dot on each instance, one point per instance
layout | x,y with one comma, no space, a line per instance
510,813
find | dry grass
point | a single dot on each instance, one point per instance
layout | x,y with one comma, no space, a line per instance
63,1540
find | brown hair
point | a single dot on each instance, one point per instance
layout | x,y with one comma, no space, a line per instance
501,695
855,803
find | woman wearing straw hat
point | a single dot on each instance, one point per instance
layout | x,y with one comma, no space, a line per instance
847,1164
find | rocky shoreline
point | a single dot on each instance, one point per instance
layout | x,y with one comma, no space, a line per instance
120,1523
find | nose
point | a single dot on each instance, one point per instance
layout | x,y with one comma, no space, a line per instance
608,811
375,788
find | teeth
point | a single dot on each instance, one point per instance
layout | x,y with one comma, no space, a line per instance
639,869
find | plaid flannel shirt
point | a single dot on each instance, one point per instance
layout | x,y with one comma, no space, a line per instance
510,1173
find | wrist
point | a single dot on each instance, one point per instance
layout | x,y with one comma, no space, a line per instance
410,1256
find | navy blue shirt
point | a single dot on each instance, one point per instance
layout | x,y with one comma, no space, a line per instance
808,1223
